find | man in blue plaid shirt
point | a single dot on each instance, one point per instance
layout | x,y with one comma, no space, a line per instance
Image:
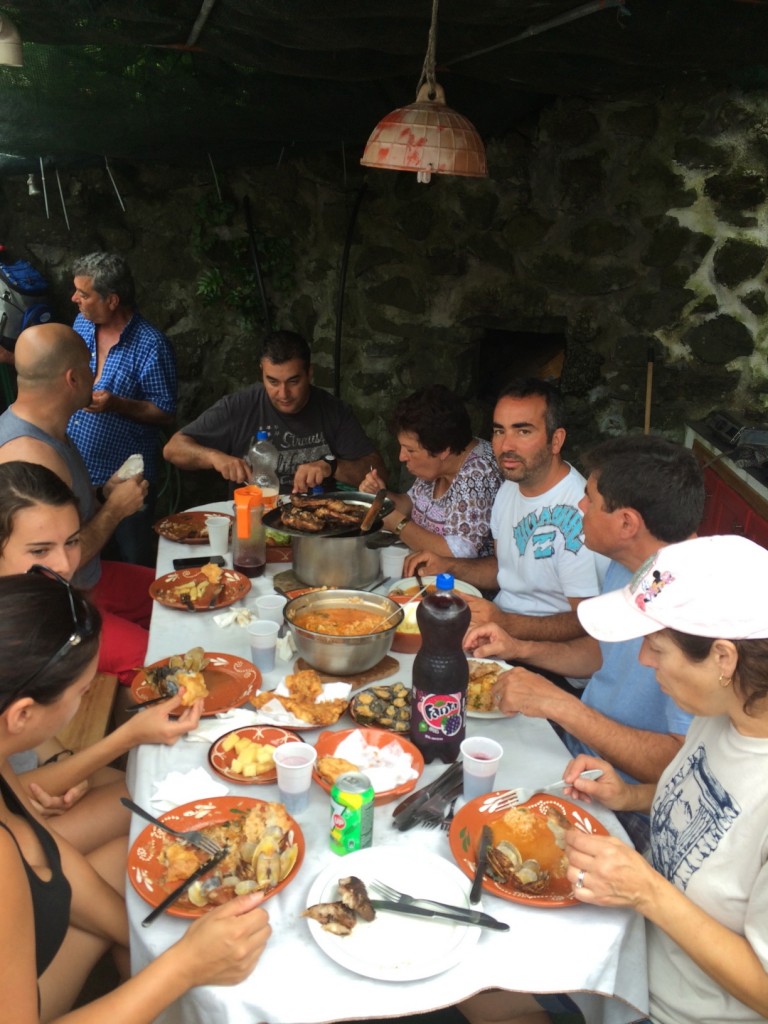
134,393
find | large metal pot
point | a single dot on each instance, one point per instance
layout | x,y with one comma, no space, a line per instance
346,561
342,655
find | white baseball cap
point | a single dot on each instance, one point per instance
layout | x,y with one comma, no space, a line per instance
709,586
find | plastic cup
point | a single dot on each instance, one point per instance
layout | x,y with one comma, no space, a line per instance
218,534
270,607
392,559
262,636
480,758
294,763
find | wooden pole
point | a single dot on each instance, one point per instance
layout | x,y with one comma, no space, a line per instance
648,391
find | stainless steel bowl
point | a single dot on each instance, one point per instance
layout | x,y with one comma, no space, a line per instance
342,655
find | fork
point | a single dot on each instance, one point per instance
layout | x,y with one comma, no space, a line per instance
194,837
445,824
513,797
400,897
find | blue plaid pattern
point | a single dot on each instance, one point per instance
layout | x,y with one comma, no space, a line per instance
140,366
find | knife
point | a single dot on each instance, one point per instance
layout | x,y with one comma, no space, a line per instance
420,796
486,840
180,890
460,914
373,511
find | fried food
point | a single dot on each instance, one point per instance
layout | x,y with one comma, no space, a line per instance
304,688
330,768
305,684
194,686
182,670
482,678
211,572
355,896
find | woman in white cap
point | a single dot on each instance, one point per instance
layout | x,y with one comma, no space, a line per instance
701,606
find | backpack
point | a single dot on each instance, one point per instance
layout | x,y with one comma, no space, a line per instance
23,301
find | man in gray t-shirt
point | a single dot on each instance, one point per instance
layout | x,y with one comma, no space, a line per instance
316,435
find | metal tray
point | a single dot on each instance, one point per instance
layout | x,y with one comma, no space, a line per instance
273,520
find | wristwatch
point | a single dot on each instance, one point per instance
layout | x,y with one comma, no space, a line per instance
332,462
401,525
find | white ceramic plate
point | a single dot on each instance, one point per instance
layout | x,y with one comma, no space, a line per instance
409,583
488,714
397,947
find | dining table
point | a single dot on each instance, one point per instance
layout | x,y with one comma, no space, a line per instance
594,954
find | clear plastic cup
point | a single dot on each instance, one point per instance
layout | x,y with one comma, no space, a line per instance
262,636
270,607
480,760
218,534
392,559
294,763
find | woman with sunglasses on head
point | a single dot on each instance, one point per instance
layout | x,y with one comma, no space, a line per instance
59,914
39,523
700,607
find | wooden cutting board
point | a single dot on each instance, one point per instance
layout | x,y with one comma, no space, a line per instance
386,667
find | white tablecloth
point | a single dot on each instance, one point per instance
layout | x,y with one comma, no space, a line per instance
595,954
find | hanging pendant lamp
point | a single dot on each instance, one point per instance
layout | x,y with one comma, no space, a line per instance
10,44
427,136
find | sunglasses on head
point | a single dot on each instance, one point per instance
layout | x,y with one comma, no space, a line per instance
83,628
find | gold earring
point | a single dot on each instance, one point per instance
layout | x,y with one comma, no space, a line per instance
724,682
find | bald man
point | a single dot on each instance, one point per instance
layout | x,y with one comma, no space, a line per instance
54,380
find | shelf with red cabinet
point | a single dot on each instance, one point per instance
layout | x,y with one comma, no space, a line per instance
733,504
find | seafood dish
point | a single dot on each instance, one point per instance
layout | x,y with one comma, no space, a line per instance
182,670
342,621
482,678
262,852
527,852
316,514
340,916
305,688
387,707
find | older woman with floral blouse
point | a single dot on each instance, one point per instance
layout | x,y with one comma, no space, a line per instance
448,508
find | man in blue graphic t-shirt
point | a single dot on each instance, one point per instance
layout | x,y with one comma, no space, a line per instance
541,567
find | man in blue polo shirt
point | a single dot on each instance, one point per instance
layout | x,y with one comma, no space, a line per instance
134,393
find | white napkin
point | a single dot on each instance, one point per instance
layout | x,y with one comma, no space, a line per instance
209,729
183,787
387,767
286,648
273,712
239,616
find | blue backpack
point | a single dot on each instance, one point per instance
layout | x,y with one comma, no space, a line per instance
23,301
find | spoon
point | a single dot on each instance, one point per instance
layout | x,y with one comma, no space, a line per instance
402,607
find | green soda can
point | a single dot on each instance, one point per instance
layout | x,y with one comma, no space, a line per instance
351,813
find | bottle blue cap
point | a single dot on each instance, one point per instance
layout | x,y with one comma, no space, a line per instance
317,489
261,435
444,581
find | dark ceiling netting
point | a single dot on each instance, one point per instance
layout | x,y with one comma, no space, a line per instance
118,78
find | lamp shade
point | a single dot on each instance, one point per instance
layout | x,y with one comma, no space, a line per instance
427,137
10,43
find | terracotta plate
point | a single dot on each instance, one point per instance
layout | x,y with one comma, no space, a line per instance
464,837
231,681
163,589
146,872
327,743
185,527
220,759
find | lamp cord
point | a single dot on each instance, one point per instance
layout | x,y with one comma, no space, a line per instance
428,70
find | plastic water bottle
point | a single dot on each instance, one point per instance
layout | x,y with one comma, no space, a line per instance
440,674
262,460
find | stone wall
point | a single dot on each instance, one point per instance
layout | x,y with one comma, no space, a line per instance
635,225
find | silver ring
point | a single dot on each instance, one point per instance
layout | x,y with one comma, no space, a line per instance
580,879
